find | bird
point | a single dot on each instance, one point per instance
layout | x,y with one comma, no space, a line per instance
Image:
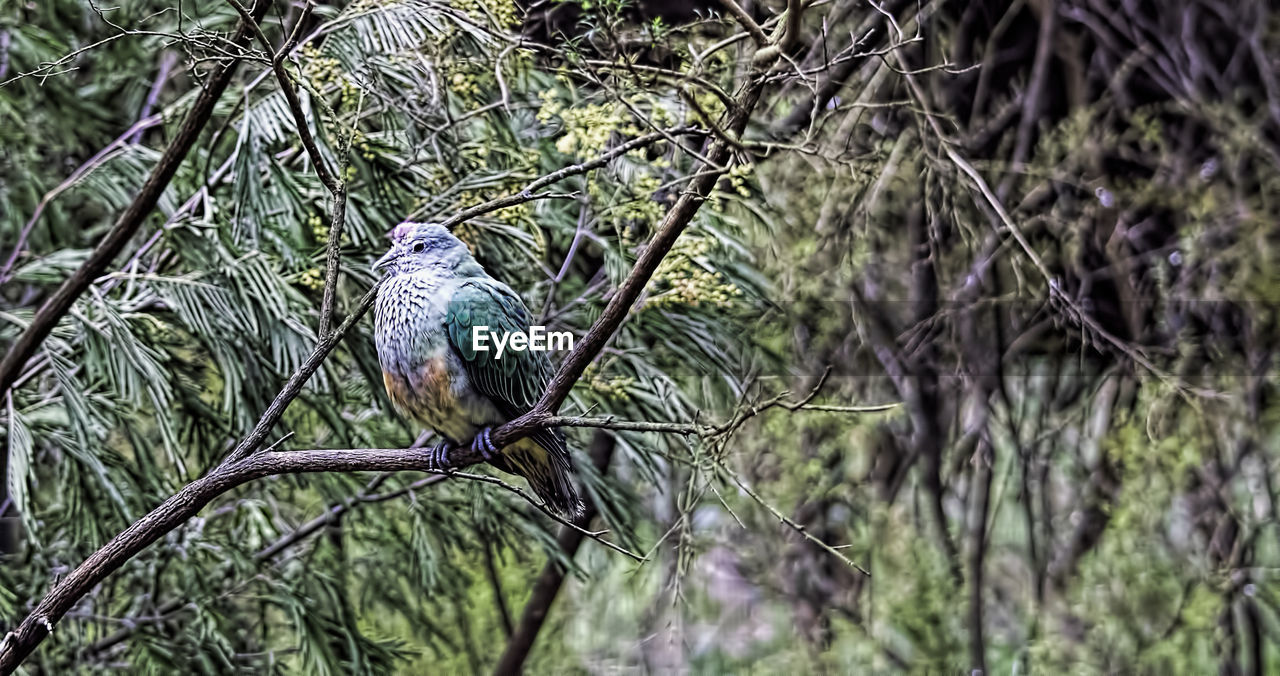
433,296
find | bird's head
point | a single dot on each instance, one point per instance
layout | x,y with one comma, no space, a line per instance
419,246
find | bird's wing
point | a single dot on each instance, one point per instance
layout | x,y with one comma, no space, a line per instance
513,383
516,381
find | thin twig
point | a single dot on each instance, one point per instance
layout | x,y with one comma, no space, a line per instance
97,160
799,528
542,507
291,95
527,193
336,185
753,29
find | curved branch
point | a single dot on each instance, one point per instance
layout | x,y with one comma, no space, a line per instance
748,23
784,42
291,94
186,503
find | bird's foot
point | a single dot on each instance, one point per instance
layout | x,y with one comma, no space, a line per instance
484,444
438,456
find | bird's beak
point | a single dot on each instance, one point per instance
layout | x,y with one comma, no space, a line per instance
386,259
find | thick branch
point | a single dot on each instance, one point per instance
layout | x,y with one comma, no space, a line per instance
790,33
977,557
47,317
186,504
620,304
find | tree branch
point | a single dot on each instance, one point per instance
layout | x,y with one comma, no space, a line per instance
193,497
790,33
47,317
242,465
336,185
620,304
291,94
752,28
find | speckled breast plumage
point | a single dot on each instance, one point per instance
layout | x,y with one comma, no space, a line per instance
424,377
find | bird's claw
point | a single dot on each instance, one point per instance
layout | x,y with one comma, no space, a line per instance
484,444
438,456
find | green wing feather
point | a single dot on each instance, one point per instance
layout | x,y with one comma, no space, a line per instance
514,383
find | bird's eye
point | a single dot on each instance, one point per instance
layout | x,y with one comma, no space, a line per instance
418,247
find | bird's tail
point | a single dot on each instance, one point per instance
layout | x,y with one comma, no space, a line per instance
543,460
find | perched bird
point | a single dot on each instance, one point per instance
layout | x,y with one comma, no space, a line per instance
433,297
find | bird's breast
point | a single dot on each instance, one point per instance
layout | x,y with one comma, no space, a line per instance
423,376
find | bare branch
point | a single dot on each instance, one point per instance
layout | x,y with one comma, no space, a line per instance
333,258
336,186
527,193
291,95
790,32
594,535
187,503
753,29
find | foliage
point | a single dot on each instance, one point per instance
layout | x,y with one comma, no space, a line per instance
1079,477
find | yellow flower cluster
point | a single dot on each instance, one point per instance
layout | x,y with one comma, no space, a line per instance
640,205
616,388
318,227
681,278
350,95
323,71
587,128
504,12
463,81
319,70
708,104
311,278
737,177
